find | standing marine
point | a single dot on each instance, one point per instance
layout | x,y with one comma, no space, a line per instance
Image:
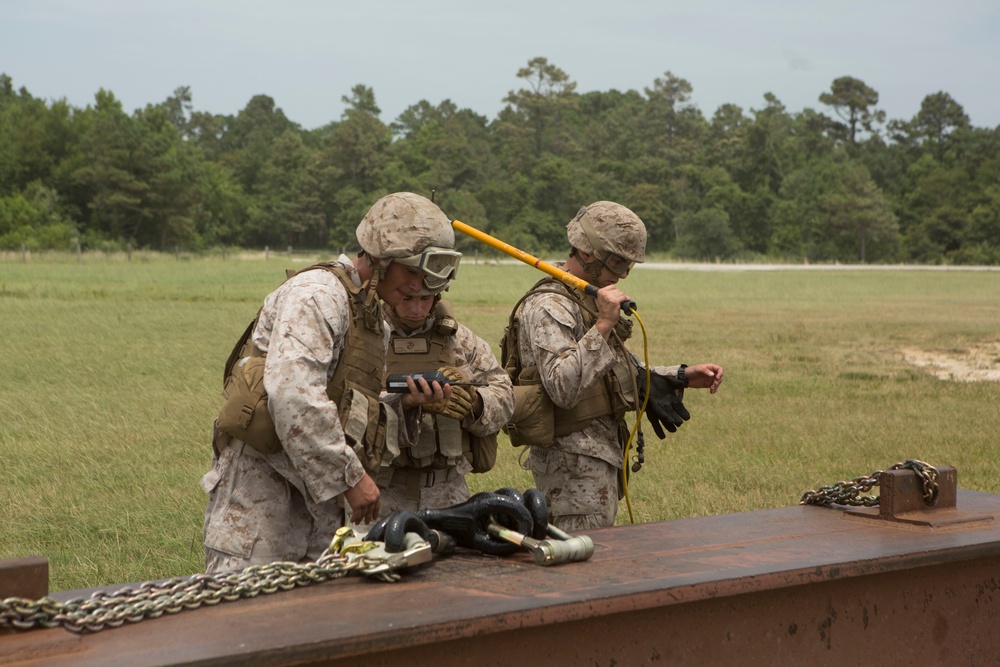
458,435
575,379
303,430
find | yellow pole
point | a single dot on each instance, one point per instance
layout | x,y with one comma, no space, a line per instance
531,260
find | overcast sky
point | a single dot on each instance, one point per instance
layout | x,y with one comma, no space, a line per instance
307,54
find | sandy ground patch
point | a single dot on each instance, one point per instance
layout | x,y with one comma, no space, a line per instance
976,363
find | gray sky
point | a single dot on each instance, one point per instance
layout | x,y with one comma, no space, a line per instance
307,54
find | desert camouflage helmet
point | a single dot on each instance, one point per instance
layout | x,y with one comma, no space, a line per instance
403,224
605,228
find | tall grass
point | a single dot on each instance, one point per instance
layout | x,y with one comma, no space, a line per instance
111,371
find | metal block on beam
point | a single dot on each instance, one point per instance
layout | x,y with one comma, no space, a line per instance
901,500
24,578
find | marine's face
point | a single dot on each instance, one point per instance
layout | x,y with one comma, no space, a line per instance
399,282
413,310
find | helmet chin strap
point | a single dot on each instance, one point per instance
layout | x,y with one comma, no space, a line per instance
371,295
592,268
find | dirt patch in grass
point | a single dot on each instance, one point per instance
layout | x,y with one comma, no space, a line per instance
976,363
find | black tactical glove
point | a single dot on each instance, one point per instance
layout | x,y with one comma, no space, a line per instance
665,409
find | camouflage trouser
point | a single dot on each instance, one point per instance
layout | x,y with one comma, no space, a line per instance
255,516
581,491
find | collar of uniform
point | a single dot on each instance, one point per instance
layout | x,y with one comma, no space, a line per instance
352,272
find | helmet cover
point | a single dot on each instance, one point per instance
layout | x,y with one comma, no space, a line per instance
403,224
605,228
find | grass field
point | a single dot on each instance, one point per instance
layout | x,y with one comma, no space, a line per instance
111,371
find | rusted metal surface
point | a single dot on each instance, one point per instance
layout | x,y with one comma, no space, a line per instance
797,585
24,578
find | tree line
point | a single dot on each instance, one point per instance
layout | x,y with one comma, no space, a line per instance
842,183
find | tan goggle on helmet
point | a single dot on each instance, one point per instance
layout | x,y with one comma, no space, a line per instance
439,266
610,232
412,230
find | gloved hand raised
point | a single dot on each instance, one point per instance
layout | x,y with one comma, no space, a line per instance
665,409
462,401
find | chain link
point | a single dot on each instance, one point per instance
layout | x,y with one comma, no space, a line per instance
152,599
850,493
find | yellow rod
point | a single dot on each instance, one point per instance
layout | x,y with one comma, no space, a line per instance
530,260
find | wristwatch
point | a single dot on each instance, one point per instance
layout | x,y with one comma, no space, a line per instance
682,376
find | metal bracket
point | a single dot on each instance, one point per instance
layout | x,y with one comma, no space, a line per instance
901,500
24,578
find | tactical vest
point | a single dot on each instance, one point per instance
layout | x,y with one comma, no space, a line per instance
357,381
442,441
613,396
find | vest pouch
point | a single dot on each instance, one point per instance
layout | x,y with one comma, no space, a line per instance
483,452
622,392
533,421
244,414
422,451
364,428
449,435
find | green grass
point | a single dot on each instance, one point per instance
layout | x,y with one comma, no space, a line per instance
111,371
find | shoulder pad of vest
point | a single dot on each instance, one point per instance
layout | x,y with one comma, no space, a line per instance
445,323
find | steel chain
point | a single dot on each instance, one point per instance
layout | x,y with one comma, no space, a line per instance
153,599
850,493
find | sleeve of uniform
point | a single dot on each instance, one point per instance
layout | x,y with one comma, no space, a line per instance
568,365
667,371
498,395
305,345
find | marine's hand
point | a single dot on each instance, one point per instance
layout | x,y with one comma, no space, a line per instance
453,374
458,375
460,403
421,393
365,500
609,301
704,376
665,409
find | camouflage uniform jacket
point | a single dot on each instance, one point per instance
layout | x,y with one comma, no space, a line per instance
473,355
301,329
570,360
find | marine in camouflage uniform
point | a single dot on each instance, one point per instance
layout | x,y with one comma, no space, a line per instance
458,436
574,343
285,505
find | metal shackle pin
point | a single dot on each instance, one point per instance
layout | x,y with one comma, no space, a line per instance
548,552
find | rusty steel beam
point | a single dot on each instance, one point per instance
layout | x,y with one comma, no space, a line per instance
788,586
